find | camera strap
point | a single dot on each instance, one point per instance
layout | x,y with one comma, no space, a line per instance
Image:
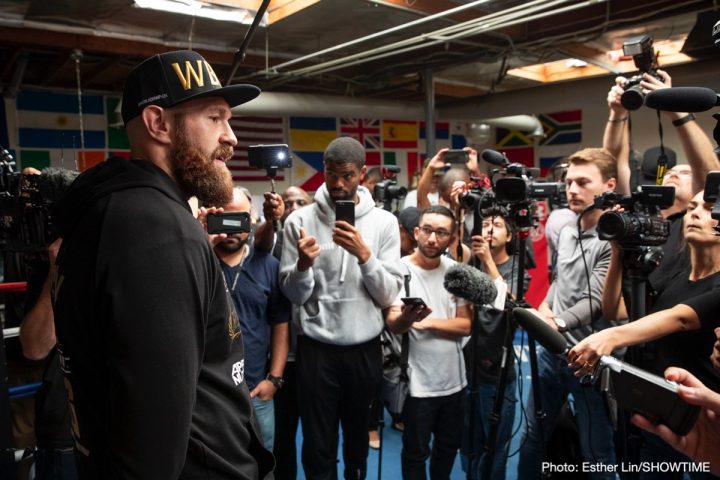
662,159
405,346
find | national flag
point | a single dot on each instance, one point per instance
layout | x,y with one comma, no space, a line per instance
562,128
88,159
49,120
409,162
400,134
254,131
512,138
117,137
366,131
309,137
442,130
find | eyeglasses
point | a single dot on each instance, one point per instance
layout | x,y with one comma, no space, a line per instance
440,234
299,203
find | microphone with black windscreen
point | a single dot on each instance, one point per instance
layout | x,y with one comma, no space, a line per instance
470,284
682,99
494,157
540,331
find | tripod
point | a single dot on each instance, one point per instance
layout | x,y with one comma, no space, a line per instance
522,217
638,262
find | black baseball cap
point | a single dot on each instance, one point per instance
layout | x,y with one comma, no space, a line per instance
168,79
409,218
650,163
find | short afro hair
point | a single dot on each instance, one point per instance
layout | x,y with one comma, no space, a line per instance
345,150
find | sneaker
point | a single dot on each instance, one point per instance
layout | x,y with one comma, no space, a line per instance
399,426
374,439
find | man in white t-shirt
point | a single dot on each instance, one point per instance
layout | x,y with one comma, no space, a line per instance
437,368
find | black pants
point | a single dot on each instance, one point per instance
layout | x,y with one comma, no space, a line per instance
335,386
287,418
441,417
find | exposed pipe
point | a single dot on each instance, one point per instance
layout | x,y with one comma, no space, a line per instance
429,112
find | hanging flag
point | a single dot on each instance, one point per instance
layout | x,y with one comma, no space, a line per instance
442,130
254,131
367,132
117,137
400,134
308,139
49,120
562,128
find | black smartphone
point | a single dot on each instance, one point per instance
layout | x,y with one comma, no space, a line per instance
457,157
712,183
267,156
229,222
413,301
345,210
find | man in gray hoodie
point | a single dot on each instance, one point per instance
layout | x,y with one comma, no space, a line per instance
339,277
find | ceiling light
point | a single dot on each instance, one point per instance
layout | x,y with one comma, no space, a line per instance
195,8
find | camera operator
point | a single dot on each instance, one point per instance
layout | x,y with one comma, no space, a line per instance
567,306
687,349
687,179
278,207
493,253
371,177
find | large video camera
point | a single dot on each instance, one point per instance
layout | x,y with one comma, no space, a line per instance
25,204
711,194
641,49
517,185
641,223
387,190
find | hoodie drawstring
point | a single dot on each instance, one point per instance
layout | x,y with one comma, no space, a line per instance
343,268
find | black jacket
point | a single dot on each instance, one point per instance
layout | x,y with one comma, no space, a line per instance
149,344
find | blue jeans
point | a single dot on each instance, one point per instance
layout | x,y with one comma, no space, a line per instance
55,464
440,417
596,434
483,408
265,413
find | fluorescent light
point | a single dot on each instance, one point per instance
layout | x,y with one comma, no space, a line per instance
195,8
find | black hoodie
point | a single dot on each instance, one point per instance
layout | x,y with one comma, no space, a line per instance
150,347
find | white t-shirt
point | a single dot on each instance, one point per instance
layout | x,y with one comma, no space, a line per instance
437,367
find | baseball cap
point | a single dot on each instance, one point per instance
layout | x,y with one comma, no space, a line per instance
650,163
168,79
409,218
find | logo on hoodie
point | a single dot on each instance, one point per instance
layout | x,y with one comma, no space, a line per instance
238,372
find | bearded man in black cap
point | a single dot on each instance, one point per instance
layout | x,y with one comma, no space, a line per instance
149,344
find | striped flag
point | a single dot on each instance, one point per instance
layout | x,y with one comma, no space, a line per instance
562,128
400,134
254,131
309,136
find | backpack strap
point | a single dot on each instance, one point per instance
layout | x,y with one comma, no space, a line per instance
405,347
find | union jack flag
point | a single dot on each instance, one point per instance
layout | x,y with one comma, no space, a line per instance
365,131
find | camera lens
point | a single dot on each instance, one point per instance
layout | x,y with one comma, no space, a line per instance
615,226
633,98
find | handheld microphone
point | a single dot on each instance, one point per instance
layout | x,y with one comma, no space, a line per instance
540,331
470,284
494,157
682,99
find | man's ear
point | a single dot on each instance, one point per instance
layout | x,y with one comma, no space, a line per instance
363,172
158,123
611,184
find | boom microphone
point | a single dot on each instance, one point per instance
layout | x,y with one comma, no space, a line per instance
494,157
470,284
682,99
540,331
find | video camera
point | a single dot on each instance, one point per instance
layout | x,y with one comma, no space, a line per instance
517,185
711,194
25,204
388,189
641,223
641,49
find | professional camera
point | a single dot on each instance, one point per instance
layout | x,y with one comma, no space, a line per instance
388,189
517,185
478,197
25,204
711,194
641,49
641,222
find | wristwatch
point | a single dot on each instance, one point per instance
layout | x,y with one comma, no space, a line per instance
277,381
562,326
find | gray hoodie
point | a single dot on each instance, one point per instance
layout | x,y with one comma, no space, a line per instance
338,301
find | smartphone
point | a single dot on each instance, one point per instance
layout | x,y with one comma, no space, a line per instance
268,156
413,301
345,210
229,222
457,157
712,184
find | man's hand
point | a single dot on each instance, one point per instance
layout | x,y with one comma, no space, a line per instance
617,111
547,315
715,355
265,390
273,207
308,251
349,238
481,249
438,161
202,216
414,314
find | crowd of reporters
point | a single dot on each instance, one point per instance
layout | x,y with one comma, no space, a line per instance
334,286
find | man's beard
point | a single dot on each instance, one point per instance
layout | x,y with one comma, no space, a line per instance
437,254
197,174
232,247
